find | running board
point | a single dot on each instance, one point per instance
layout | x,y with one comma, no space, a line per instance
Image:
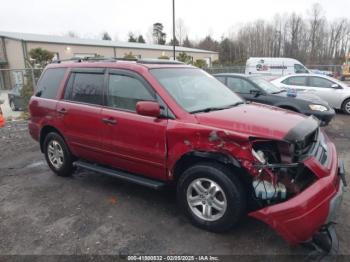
154,184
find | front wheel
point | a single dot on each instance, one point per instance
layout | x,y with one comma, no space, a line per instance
346,106
57,155
211,196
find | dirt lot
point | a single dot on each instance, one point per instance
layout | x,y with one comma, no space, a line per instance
89,213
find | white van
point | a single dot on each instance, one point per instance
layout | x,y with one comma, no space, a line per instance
278,66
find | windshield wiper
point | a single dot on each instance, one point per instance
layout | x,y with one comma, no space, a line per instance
209,109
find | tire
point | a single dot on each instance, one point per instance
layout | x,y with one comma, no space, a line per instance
346,106
230,191
57,155
13,106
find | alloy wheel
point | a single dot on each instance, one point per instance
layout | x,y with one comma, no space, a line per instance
206,199
55,154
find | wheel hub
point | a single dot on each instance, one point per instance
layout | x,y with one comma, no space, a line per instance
55,154
206,199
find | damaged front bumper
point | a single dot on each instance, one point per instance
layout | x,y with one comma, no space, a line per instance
300,218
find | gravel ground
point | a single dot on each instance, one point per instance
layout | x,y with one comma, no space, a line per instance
89,213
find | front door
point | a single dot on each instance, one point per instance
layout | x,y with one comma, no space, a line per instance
323,88
132,142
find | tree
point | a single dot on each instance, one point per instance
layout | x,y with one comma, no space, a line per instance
159,37
129,56
201,63
140,39
165,57
106,36
132,38
72,34
172,42
208,43
187,42
40,57
183,57
180,30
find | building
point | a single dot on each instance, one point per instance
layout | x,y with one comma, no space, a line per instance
14,49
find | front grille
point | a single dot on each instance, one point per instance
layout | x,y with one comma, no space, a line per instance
313,145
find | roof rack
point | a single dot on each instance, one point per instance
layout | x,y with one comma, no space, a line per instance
116,59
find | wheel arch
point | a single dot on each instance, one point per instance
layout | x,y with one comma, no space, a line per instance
194,157
343,103
43,133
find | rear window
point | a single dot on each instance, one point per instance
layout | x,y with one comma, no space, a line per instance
50,82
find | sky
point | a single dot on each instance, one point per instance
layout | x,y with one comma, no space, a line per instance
90,18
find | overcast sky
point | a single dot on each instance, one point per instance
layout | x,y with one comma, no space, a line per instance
90,18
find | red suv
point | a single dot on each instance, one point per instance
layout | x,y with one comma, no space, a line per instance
165,123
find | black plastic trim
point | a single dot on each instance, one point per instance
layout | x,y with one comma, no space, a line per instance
143,181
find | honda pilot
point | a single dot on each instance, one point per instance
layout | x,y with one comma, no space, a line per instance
161,124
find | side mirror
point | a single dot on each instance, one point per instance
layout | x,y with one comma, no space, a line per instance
336,86
148,108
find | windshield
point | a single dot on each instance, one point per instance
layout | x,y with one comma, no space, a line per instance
195,90
266,85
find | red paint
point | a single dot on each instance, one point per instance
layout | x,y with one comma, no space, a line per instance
148,108
151,146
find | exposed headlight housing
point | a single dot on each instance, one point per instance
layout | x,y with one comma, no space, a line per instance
260,156
318,108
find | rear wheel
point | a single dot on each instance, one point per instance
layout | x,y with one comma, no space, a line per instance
211,196
346,106
57,155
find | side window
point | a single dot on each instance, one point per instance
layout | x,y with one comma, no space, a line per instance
239,85
50,82
85,87
221,79
320,82
295,81
125,91
299,69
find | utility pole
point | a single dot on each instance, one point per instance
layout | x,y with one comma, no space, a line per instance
174,30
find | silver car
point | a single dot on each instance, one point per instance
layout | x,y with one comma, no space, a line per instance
335,92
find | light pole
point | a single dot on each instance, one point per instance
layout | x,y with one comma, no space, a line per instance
174,30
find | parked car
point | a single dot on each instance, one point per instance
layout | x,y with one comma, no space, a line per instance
257,89
279,66
15,99
158,123
335,92
2,119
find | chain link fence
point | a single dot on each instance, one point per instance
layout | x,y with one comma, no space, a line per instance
16,86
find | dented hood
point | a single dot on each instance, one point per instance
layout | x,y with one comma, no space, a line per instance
257,120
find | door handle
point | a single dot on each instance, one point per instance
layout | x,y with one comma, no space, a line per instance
110,121
62,111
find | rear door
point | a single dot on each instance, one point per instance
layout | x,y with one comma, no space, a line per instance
296,82
132,142
79,112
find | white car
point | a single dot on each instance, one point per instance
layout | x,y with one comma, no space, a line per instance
335,92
